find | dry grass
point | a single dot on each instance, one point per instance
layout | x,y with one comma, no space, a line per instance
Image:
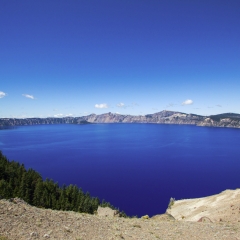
3,238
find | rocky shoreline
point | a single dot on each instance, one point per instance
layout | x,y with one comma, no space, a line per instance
231,120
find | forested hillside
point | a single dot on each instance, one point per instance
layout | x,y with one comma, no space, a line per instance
16,181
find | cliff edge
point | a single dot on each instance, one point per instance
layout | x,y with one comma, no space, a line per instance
222,207
19,221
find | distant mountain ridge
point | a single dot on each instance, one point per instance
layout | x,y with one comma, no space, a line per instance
163,117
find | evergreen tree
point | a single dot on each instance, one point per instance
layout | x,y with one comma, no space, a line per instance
16,181
38,194
5,189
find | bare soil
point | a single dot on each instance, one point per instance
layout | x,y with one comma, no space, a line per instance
19,220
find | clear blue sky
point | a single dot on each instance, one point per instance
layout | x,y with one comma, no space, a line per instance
76,57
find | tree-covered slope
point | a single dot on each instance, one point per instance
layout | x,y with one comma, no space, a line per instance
17,181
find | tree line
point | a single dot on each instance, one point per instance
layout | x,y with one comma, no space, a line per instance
17,181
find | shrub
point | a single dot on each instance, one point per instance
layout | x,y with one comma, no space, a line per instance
171,202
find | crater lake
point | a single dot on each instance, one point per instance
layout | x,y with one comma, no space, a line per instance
136,167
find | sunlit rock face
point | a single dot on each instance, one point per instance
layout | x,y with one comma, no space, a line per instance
222,207
169,117
163,117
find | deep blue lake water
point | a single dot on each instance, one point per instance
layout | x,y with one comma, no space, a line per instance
136,167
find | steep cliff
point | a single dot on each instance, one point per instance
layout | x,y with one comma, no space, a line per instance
163,117
169,117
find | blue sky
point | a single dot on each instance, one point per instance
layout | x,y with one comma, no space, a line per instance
137,57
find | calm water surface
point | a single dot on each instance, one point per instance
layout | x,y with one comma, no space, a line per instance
137,167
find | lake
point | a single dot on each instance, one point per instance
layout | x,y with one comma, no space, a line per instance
136,167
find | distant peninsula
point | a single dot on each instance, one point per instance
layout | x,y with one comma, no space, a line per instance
231,120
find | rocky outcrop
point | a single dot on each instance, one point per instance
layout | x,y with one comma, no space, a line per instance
163,117
222,207
107,212
169,117
163,217
224,122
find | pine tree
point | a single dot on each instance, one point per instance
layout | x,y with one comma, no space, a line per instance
5,189
38,194
16,181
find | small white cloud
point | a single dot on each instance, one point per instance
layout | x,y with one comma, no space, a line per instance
2,94
187,102
63,115
101,105
28,96
120,104
218,105
58,115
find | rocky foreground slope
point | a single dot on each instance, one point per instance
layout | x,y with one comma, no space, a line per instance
163,117
19,220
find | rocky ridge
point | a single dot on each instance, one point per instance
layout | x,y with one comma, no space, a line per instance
163,117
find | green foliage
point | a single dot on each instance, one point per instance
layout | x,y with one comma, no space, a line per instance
16,181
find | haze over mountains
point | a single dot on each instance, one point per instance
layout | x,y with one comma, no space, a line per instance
163,117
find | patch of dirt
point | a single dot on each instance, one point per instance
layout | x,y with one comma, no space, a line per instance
19,221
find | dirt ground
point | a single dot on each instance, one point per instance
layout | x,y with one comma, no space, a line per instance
19,220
